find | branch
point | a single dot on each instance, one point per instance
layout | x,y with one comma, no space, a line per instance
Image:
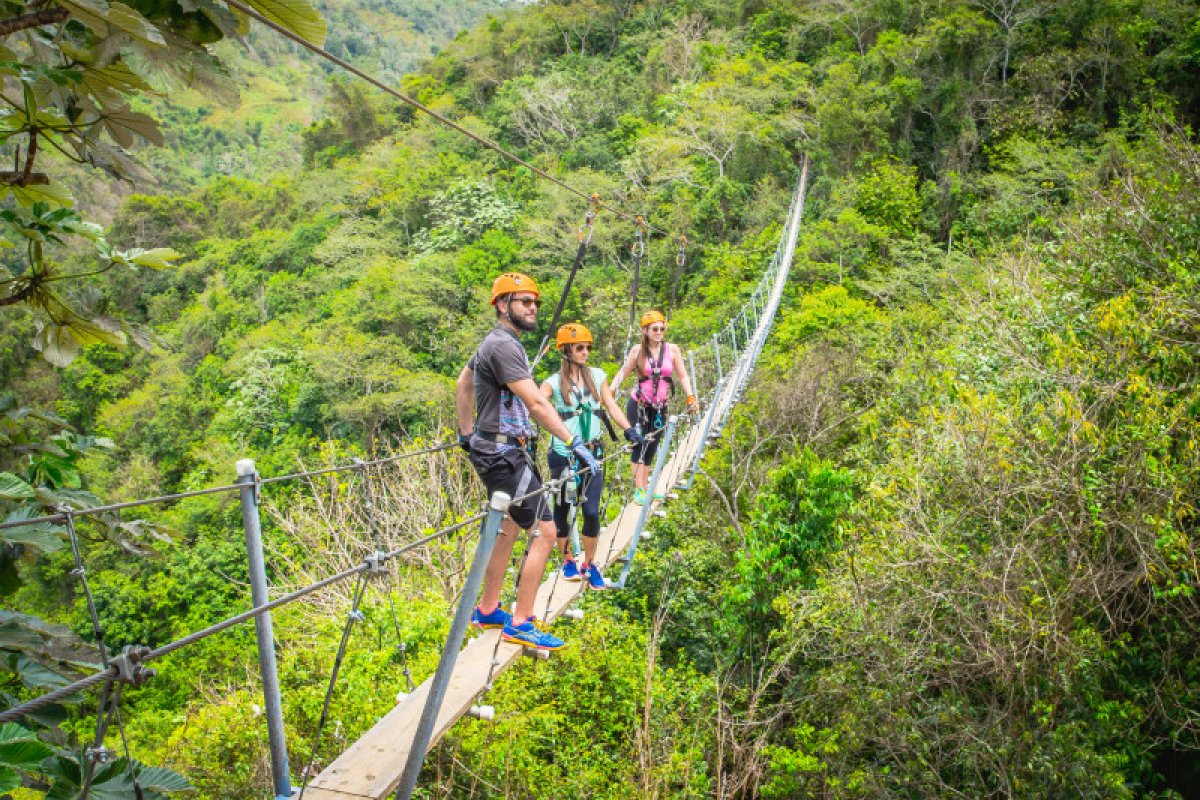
47,16
22,178
20,295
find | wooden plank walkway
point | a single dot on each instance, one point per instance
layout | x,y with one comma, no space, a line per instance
372,766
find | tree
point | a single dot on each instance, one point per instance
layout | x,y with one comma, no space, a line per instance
1011,15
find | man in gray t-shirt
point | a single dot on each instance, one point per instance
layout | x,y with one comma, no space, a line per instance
497,385
499,361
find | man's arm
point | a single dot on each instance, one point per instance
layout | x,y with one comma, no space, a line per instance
464,400
540,408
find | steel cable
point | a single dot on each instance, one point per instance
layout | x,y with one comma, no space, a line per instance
230,487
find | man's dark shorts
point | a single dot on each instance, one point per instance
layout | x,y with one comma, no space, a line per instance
511,472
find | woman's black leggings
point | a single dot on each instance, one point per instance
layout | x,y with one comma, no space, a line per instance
589,490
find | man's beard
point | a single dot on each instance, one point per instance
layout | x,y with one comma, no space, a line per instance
523,323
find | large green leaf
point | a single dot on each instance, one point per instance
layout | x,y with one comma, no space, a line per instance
12,732
127,19
91,13
162,780
41,640
117,76
122,123
13,488
298,16
53,193
60,342
43,536
36,675
113,781
56,344
158,258
25,754
9,780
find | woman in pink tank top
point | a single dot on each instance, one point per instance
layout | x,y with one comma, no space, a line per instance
657,365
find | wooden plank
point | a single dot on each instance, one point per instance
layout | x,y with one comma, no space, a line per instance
372,766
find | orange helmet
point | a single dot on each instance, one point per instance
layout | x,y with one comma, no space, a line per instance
651,317
511,282
573,333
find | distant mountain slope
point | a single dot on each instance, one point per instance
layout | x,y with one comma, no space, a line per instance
281,90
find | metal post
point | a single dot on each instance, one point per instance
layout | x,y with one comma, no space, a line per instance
717,352
708,420
663,447
693,374
458,628
247,475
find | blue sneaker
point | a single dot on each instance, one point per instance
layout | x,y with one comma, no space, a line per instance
595,579
497,618
639,496
570,571
527,635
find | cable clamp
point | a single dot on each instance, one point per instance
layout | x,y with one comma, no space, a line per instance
258,484
79,572
129,665
377,564
98,755
356,616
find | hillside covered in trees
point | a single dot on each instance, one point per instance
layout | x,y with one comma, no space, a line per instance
948,547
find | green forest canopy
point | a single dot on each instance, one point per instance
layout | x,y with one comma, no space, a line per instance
949,544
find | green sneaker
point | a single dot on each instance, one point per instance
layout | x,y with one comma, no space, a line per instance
639,496
659,495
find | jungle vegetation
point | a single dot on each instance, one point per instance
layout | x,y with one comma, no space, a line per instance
948,545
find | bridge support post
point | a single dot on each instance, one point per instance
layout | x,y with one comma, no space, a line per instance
692,373
717,354
458,629
660,459
247,475
704,432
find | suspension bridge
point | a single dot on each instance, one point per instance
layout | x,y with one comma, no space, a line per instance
388,758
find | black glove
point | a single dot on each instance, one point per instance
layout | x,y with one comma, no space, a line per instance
464,441
634,437
585,456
